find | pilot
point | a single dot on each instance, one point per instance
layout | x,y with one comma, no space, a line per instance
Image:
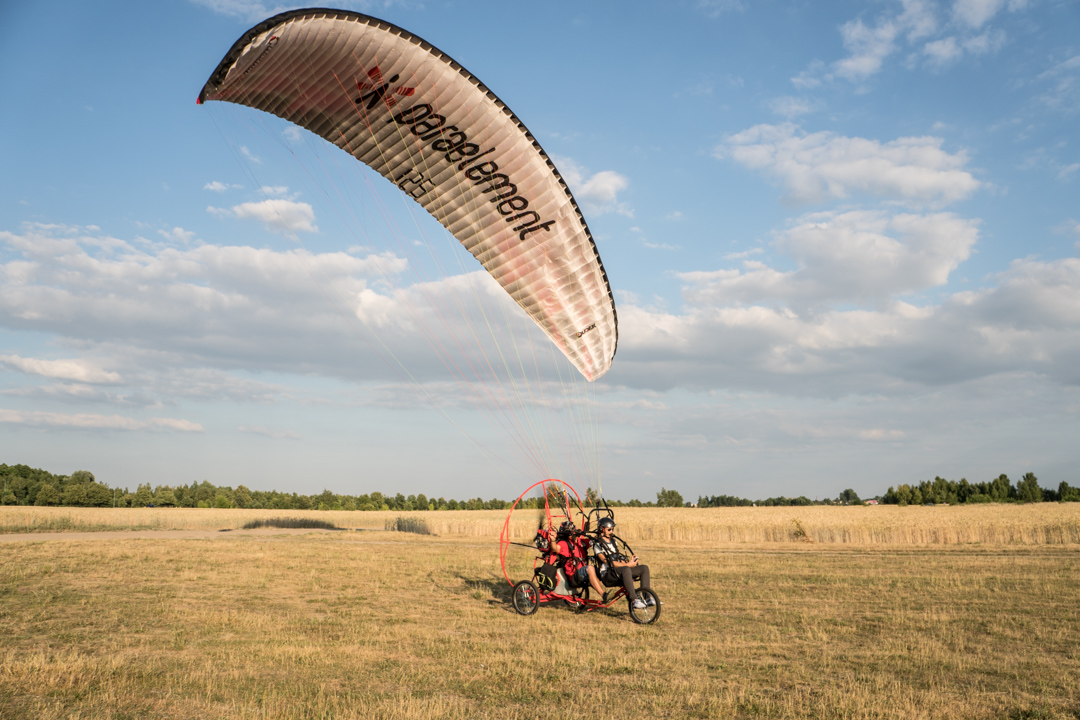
617,569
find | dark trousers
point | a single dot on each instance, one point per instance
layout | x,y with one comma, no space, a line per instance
626,576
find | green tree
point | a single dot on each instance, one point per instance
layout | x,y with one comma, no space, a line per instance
964,490
74,495
47,495
242,497
98,495
1028,490
668,498
205,492
850,497
1001,489
142,496
222,501
164,497
904,495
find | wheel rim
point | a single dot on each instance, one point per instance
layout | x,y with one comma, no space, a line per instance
525,598
647,614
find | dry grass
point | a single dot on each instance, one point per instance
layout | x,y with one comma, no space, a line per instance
1035,524
405,626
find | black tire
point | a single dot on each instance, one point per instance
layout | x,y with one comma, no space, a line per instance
526,597
649,613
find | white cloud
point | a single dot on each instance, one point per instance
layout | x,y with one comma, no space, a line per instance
268,432
744,254
716,8
809,78
1063,86
177,234
598,193
976,13
217,186
858,256
988,42
791,107
1064,66
230,308
75,369
1028,321
870,44
604,187
944,51
823,165
91,421
660,246
1067,227
276,214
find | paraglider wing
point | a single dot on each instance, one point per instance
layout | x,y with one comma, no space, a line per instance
411,113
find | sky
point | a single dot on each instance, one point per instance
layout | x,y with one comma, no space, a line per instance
842,239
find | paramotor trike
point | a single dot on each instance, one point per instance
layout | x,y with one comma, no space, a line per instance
549,583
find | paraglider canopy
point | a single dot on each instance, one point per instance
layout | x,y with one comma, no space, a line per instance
411,113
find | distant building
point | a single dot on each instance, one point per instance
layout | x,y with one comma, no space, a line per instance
871,502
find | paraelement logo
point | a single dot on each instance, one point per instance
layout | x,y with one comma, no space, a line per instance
379,89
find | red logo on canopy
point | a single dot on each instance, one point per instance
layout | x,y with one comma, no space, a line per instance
379,89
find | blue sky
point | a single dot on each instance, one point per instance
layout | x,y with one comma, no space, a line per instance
843,241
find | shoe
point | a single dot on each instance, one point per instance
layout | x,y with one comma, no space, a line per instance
639,604
607,596
650,600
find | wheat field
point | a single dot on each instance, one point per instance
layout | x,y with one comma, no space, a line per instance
398,626
1032,524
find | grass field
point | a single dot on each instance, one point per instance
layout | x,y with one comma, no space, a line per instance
394,625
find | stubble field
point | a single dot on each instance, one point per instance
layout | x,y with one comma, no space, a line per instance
393,625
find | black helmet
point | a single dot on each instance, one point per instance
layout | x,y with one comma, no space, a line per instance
567,528
605,523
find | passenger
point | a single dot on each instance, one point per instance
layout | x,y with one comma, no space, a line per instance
570,550
584,571
617,569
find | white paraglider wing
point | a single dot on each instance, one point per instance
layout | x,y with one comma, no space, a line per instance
411,113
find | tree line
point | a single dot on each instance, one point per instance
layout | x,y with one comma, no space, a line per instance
999,490
23,485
